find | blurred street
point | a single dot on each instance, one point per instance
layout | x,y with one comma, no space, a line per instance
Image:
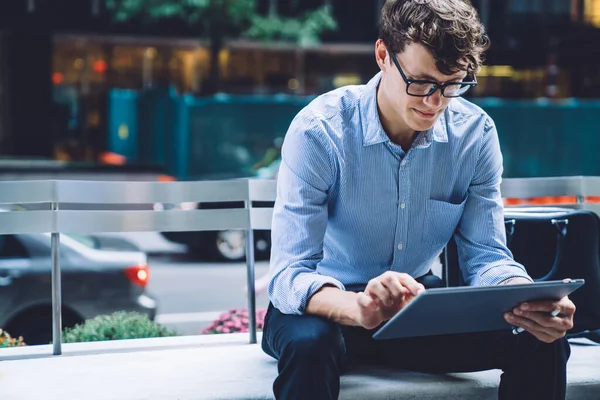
191,294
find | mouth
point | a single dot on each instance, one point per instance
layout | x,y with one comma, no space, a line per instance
424,115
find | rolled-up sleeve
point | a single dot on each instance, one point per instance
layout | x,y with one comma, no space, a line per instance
481,238
306,175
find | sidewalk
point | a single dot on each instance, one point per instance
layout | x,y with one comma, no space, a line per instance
226,367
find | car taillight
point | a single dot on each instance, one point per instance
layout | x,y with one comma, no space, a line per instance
138,275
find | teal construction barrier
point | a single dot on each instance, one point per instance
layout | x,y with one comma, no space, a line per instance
225,136
123,123
157,107
542,138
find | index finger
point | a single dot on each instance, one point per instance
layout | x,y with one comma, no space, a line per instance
411,284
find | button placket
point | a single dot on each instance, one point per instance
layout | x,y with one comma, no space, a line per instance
403,195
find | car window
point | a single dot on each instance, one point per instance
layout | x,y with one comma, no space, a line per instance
85,240
11,247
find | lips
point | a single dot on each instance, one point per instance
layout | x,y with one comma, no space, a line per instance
424,114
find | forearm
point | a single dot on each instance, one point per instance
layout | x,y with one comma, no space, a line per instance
334,304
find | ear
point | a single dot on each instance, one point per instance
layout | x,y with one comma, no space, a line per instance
381,55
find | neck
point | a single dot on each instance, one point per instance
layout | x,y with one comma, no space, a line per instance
395,128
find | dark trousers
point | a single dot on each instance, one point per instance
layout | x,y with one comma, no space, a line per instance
313,352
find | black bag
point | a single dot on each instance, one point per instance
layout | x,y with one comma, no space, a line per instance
552,244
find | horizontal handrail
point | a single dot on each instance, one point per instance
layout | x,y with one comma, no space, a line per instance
18,222
579,186
103,192
67,221
27,192
108,192
262,190
96,195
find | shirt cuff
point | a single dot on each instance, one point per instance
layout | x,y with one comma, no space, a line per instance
499,274
317,281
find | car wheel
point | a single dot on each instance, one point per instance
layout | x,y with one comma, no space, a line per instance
231,245
262,245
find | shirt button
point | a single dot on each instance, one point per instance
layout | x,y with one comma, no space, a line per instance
402,205
400,246
403,163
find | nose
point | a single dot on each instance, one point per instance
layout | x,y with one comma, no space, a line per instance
434,100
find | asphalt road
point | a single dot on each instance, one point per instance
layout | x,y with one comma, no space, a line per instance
192,294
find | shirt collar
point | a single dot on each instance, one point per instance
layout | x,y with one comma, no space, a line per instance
373,132
438,133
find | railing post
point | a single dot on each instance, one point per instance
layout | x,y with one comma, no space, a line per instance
251,288
56,291
250,279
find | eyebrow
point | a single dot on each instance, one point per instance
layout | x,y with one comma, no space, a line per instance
431,78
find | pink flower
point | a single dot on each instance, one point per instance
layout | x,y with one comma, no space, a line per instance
235,320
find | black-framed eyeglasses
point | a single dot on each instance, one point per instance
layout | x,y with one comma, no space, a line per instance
423,88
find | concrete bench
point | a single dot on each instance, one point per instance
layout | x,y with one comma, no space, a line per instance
227,367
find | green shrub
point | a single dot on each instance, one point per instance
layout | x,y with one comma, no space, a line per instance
8,341
120,325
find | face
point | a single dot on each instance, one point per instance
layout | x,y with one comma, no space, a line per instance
417,113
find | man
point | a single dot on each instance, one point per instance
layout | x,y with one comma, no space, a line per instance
374,180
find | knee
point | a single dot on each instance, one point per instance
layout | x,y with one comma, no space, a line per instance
562,348
558,351
317,340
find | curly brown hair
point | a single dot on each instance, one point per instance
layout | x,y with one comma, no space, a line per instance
450,29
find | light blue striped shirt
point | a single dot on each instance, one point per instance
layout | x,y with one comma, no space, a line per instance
351,204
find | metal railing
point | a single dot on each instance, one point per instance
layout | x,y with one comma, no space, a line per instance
579,192
100,200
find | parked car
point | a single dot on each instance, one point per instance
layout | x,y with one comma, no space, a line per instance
97,278
227,245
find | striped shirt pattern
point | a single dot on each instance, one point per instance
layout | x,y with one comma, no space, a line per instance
352,205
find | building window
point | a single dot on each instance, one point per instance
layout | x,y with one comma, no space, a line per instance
591,12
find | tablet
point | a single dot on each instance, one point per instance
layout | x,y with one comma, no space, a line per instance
442,311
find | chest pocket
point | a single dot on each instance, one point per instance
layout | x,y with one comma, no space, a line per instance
440,221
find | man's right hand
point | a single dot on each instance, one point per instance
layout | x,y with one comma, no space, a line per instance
384,296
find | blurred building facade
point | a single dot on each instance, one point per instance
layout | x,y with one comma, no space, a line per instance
65,56
536,44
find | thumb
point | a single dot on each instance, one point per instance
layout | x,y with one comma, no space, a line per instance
366,301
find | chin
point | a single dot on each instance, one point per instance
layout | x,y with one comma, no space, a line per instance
422,125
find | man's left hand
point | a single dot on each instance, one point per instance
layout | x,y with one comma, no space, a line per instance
536,317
